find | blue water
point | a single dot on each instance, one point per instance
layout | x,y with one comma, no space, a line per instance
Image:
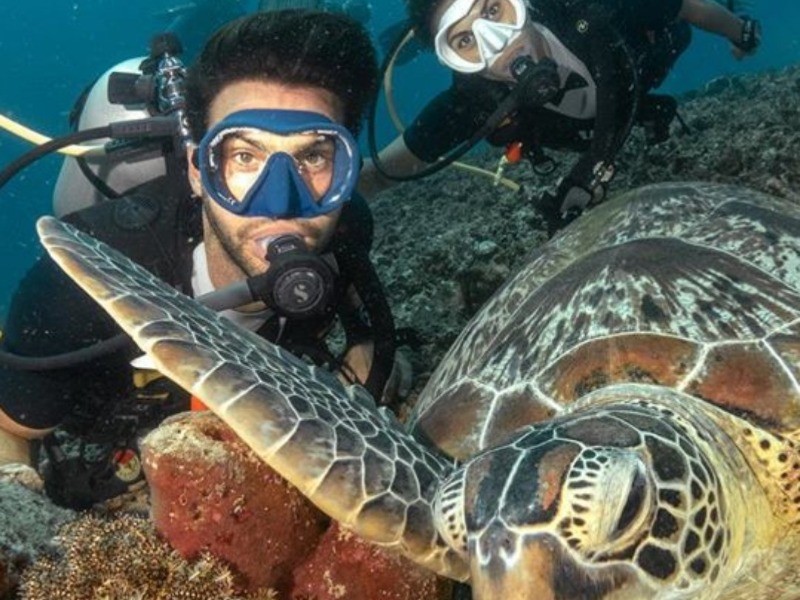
49,51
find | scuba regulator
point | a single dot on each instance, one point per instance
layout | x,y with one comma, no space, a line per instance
160,89
161,85
298,284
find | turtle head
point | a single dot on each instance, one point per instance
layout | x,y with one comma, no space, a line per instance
559,513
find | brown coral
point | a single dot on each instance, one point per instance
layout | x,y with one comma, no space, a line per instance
124,559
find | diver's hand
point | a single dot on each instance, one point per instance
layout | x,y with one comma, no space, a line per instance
569,200
749,40
576,192
559,209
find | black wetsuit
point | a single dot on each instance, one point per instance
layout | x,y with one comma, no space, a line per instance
591,30
50,315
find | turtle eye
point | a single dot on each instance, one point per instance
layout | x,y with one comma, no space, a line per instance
635,502
608,499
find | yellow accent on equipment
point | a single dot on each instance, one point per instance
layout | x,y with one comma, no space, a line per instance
34,137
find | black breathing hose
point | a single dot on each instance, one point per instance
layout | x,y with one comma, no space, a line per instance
19,362
445,161
152,127
53,145
236,294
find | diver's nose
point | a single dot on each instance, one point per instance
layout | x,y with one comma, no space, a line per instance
491,39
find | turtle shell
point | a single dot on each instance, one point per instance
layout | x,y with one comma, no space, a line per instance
691,286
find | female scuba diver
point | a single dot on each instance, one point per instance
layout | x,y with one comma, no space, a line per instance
570,75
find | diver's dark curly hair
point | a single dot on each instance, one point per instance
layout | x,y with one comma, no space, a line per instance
296,47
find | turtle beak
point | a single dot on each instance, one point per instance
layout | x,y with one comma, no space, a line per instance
527,573
538,567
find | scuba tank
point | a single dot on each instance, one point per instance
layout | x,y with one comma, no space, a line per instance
74,190
137,88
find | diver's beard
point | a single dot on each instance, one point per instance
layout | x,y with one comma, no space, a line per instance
233,249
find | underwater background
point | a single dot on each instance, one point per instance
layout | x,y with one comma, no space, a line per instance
50,50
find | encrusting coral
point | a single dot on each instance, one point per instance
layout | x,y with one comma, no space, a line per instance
124,559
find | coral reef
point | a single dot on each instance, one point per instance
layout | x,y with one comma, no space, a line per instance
28,522
124,559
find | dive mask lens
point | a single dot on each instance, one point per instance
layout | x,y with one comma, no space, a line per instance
279,164
242,156
495,25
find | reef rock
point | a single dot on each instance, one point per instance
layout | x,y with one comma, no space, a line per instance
345,566
208,491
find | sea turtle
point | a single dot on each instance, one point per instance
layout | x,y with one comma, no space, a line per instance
619,421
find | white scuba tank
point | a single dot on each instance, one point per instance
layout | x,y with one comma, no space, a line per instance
73,190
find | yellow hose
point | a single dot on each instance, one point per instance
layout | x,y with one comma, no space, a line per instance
34,137
512,185
398,123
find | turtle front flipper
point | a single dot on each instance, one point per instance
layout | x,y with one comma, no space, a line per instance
330,442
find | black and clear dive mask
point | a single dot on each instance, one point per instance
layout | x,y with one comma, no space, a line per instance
281,164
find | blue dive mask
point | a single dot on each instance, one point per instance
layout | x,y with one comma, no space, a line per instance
280,164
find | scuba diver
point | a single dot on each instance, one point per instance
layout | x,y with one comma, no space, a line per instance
571,75
272,108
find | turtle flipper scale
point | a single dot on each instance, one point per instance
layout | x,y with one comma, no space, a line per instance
372,477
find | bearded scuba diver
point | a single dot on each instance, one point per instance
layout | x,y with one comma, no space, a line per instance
291,185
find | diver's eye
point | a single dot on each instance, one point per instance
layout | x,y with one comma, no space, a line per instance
242,158
491,11
312,161
464,41
317,158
